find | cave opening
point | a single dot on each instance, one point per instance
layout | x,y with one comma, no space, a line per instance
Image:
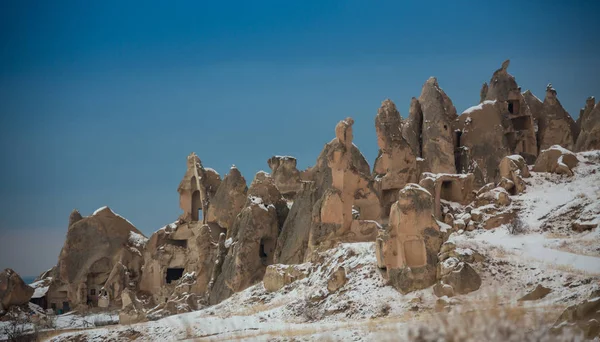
173,274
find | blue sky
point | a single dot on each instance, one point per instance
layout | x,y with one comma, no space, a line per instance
101,102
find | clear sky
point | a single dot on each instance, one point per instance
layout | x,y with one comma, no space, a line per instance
101,101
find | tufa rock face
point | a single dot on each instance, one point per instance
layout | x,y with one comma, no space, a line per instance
94,246
277,276
286,175
412,127
337,202
583,317
556,160
454,188
292,243
512,170
555,126
502,85
517,120
437,134
343,182
538,293
196,189
252,239
74,217
229,199
13,290
408,248
396,163
589,137
460,276
483,143
177,250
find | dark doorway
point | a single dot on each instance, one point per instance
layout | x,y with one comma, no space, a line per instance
261,251
446,191
265,251
66,307
178,243
196,206
173,274
513,106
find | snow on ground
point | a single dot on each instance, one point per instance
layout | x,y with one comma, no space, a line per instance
547,253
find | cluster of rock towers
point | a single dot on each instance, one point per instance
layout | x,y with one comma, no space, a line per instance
230,233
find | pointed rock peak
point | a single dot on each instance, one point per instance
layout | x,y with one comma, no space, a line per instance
343,131
432,81
74,217
550,91
483,92
527,92
387,108
234,172
261,176
275,161
505,65
193,160
103,211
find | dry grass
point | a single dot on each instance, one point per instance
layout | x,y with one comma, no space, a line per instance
476,321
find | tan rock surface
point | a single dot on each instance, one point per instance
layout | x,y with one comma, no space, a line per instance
93,247
286,175
437,133
252,239
396,163
556,126
556,160
13,290
229,199
589,137
408,247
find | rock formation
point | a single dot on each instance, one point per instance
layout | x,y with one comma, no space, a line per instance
196,189
13,290
252,239
556,160
412,127
437,136
396,164
229,199
348,203
452,188
280,228
408,247
512,171
517,119
589,122
286,175
556,127
481,141
292,243
101,251
177,250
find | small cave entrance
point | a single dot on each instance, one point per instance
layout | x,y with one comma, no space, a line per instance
446,190
178,243
458,135
196,206
513,107
173,274
265,251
